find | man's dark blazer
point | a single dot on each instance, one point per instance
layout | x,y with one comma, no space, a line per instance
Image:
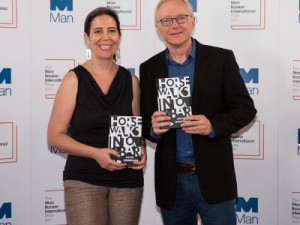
220,94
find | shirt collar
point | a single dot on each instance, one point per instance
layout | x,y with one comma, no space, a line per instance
192,55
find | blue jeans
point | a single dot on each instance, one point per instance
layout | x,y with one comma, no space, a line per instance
189,202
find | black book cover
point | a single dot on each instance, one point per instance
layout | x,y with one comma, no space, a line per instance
125,134
174,98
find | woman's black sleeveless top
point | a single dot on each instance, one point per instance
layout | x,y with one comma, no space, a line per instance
90,125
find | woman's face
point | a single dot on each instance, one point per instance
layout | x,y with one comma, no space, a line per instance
104,37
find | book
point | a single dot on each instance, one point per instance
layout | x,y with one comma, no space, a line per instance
125,133
174,98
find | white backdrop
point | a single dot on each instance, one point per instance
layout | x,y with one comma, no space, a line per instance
42,40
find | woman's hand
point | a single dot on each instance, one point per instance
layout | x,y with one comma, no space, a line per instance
103,158
141,164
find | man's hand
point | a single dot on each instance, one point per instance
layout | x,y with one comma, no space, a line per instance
160,120
197,124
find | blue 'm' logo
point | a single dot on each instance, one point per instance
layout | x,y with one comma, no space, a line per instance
252,75
5,210
194,4
299,11
247,206
61,5
5,76
131,70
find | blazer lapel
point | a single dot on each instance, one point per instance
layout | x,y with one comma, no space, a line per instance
200,74
162,65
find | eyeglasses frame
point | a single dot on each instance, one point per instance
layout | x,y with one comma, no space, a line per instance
174,18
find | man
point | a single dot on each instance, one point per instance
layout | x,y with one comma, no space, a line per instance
194,168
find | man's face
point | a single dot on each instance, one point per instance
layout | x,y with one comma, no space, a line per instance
176,34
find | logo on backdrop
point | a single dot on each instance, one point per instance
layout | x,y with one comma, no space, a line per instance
298,148
8,142
54,207
248,143
61,11
54,150
251,79
55,69
248,15
131,70
295,79
5,213
295,208
8,14
129,12
5,82
194,4
247,210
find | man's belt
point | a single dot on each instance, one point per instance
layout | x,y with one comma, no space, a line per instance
186,168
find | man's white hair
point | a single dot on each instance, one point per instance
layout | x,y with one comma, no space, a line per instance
186,2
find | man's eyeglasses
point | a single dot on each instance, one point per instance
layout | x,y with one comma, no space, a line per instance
168,21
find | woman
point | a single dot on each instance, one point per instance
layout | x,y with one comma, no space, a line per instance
98,190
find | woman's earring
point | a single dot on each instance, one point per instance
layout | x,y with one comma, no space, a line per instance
88,53
117,56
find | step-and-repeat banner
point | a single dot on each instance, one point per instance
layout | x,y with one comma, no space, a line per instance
41,40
